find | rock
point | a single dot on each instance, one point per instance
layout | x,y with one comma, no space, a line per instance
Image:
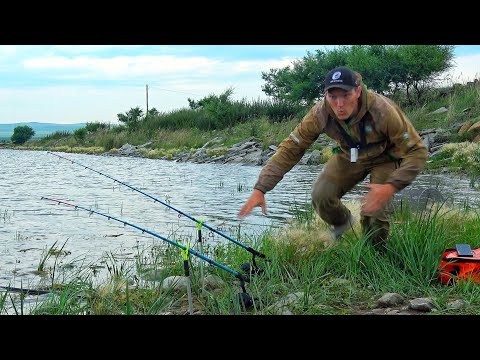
144,145
175,282
439,110
421,304
390,299
125,150
213,281
464,128
152,275
418,198
393,312
474,128
291,299
456,305
315,158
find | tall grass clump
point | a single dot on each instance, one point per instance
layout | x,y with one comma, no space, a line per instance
460,101
57,135
464,158
178,119
417,242
220,112
112,140
179,139
3,301
93,127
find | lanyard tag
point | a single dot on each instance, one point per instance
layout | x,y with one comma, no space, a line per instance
353,154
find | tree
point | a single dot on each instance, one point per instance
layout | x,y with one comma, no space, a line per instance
22,134
220,109
422,66
303,83
385,69
153,112
131,118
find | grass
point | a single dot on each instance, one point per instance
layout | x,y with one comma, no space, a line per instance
461,158
3,302
5,215
305,272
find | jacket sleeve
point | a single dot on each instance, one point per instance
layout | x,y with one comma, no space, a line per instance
290,151
407,145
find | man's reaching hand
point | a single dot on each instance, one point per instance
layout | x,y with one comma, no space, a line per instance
256,199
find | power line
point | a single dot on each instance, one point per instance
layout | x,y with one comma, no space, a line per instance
183,92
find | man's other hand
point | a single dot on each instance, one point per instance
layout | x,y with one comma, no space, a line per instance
377,197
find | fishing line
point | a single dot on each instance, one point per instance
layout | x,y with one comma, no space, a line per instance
254,252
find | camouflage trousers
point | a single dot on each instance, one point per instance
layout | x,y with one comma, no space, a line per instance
339,176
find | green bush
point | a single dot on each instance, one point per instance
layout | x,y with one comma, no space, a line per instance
22,134
80,134
95,126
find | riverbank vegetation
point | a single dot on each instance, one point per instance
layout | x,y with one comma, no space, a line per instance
228,121
167,137
305,273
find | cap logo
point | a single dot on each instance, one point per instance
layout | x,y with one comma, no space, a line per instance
336,75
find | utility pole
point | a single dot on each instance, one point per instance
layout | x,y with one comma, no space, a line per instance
147,100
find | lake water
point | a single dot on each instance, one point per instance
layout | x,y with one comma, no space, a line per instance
29,226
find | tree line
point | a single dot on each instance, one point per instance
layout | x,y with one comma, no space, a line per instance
386,69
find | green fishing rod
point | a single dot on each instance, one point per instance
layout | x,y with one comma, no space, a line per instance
245,267
245,297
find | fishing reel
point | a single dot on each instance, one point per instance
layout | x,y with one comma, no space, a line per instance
245,299
251,269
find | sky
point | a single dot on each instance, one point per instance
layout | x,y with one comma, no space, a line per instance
68,84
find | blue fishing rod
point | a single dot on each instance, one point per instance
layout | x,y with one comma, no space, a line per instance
245,297
245,267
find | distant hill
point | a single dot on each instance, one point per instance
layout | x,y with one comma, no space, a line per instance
41,129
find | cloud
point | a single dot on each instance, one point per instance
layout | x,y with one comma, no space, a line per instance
86,83
257,65
467,68
144,67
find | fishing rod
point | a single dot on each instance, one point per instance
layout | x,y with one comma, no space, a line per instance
26,291
245,297
254,252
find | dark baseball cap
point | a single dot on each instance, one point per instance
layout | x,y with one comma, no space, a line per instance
341,77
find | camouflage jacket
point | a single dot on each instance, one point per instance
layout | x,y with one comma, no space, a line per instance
388,133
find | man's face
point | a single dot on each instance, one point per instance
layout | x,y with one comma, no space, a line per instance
343,102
